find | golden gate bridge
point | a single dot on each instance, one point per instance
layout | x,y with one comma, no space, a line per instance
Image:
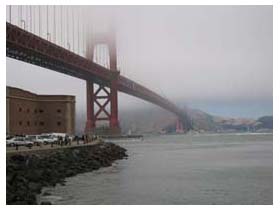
62,39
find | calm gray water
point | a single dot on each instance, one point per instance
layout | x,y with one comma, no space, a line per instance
179,169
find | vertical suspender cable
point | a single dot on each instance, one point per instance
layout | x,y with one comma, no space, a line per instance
34,16
47,22
54,25
78,30
30,14
73,29
61,31
39,20
67,25
104,56
26,17
98,54
10,15
20,15
84,33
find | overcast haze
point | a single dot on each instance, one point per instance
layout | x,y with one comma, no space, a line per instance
217,58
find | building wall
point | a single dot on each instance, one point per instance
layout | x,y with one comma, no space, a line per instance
29,113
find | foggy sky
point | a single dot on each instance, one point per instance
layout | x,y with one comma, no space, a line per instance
218,58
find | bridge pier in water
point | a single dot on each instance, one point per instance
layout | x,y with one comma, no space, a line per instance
179,126
108,98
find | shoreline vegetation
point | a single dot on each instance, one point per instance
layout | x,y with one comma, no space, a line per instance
28,172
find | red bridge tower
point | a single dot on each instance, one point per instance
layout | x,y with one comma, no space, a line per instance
103,98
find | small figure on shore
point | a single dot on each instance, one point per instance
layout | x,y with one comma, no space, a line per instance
70,140
66,140
60,141
77,139
83,138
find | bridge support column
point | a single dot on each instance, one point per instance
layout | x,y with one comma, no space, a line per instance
114,122
90,124
179,126
105,99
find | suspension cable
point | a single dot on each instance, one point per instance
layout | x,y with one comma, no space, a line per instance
54,29
67,19
73,29
84,35
34,17
104,56
39,20
78,30
30,14
26,17
61,33
10,15
48,23
22,21
19,16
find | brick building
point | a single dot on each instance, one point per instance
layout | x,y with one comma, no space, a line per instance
29,113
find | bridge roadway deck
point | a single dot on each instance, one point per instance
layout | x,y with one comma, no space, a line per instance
25,46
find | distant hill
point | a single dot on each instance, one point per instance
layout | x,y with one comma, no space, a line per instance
205,122
155,120
265,122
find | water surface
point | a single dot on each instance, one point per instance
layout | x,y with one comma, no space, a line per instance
179,169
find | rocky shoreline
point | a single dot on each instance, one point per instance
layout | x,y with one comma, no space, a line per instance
27,173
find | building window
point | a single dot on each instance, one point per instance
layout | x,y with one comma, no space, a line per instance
58,110
20,109
20,122
58,123
42,123
41,110
28,123
35,111
35,123
27,110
